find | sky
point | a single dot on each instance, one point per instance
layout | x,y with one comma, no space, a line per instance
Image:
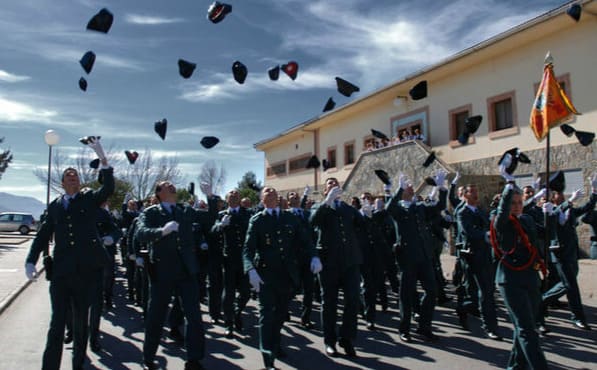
135,79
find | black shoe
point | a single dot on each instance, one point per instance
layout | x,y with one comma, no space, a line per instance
109,304
238,323
428,335
543,329
493,335
150,365
370,325
384,307
348,347
441,300
462,319
68,338
131,296
281,353
95,347
229,333
416,317
581,325
176,335
558,305
214,321
330,350
193,365
288,317
405,337
307,324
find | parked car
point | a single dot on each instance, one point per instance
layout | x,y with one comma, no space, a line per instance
17,221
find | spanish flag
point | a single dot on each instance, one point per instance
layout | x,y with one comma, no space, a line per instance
552,107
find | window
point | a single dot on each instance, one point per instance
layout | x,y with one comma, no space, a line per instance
332,157
349,153
458,118
277,169
18,218
502,115
4,217
299,163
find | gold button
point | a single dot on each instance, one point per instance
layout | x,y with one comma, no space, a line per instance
280,241
72,243
70,234
281,249
70,225
278,231
344,240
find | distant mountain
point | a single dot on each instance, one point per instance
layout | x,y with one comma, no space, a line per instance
17,203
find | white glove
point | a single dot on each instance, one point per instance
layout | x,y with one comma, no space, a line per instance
94,143
205,188
576,194
440,177
203,246
169,227
387,188
594,183
128,196
30,271
487,240
255,280
505,163
225,220
456,178
333,194
402,181
379,204
563,217
108,240
540,194
367,209
548,208
132,257
316,266
306,191
139,262
537,183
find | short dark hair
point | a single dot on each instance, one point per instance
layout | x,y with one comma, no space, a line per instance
68,169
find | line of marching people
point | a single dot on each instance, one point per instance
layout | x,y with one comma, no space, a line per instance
224,251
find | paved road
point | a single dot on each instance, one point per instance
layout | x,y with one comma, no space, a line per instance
23,327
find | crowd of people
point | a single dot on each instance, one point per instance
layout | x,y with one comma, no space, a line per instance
225,251
402,136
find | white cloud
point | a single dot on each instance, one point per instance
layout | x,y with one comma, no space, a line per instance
150,20
9,77
14,111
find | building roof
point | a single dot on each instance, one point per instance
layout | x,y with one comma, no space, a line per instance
407,80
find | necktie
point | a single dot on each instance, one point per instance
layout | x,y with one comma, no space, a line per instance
67,203
299,212
275,213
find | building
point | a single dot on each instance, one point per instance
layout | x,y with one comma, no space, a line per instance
496,79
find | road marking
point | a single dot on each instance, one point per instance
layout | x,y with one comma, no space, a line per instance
9,270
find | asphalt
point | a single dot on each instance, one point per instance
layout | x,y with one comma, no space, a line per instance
25,312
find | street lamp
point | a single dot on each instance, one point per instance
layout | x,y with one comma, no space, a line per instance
52,138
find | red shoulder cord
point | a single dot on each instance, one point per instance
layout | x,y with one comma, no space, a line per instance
524,239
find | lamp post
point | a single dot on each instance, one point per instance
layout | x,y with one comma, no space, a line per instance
52,138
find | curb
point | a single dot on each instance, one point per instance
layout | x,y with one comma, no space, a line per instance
6,302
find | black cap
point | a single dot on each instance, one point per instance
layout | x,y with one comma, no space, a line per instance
87,61
329,105
131,156
86,139
346,88
94,163
430,181
567,130
291,69
574,11
325,164
239,71
419,91
383,176
217,11
191,188
313,162
83,84
185,68
101,22
379,134
209,141
585,138
429,160
160,128
517,156
557,182
471,124
273,73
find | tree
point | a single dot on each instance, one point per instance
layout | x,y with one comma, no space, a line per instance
148,171
5,159
249,187
214,174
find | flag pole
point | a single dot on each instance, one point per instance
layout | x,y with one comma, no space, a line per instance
546,237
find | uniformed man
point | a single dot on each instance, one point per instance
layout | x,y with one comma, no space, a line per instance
129,213
168,230
271,260
473,232
513,237
591,219
232,223
415,254
567,253
78,255
336,223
